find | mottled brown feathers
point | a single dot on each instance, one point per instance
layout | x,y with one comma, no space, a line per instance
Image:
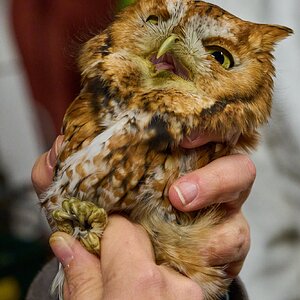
122,133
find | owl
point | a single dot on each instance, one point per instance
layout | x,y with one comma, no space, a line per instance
161,70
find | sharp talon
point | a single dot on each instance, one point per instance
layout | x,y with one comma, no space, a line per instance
60,215
83,219
66,227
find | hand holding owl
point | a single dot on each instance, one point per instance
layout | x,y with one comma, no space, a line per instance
161,71
233,236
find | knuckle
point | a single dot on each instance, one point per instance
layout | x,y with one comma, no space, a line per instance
241,239
242,242
251,169
79,282
231,242
247,237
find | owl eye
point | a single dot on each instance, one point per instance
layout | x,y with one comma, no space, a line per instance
222,56
152,19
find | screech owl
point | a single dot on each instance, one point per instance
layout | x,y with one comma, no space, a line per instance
161,70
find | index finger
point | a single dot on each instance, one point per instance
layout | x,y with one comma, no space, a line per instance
198,138
42,171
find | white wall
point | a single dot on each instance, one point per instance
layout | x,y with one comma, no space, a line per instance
20,142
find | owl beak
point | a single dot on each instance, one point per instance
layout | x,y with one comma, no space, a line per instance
167,45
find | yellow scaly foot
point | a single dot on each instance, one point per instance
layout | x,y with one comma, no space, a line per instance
84,220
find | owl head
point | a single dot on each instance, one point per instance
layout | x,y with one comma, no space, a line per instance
188,63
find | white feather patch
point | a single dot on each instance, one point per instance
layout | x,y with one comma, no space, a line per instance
177,9
199,28
86,155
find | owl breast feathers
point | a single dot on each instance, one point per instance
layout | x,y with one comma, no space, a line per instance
163,69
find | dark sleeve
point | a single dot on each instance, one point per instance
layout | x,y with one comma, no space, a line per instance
237,291
40,287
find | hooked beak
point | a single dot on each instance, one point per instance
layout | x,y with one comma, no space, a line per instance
167,45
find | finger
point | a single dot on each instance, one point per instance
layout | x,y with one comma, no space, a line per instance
229,244
226,180
119,234
198,138
129,268
74,258
42,171
128,263
180,286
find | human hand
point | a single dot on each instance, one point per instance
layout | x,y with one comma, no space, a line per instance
228,246
227,181
127,269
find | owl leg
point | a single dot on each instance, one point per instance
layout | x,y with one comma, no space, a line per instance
84,220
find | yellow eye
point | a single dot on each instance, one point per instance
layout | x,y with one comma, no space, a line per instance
222,56
152,19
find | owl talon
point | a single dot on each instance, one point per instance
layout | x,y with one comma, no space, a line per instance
84,220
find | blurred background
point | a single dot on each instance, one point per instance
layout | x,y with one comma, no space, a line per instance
39,41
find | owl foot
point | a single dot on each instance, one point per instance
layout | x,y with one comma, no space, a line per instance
84,220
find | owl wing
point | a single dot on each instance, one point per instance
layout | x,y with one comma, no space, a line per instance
100,163
82,123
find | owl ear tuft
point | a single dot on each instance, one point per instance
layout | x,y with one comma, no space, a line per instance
275,33
265,36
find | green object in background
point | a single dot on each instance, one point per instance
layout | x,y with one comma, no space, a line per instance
124,3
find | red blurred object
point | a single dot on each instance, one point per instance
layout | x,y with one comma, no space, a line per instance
47,32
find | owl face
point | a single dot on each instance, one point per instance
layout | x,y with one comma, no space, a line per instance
190,59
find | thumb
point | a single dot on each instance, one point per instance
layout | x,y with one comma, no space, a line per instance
83,279
224,180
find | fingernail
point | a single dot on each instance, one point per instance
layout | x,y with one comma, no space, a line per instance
194,135
51,158
234,138
57,144
53,152
186,192
61,245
